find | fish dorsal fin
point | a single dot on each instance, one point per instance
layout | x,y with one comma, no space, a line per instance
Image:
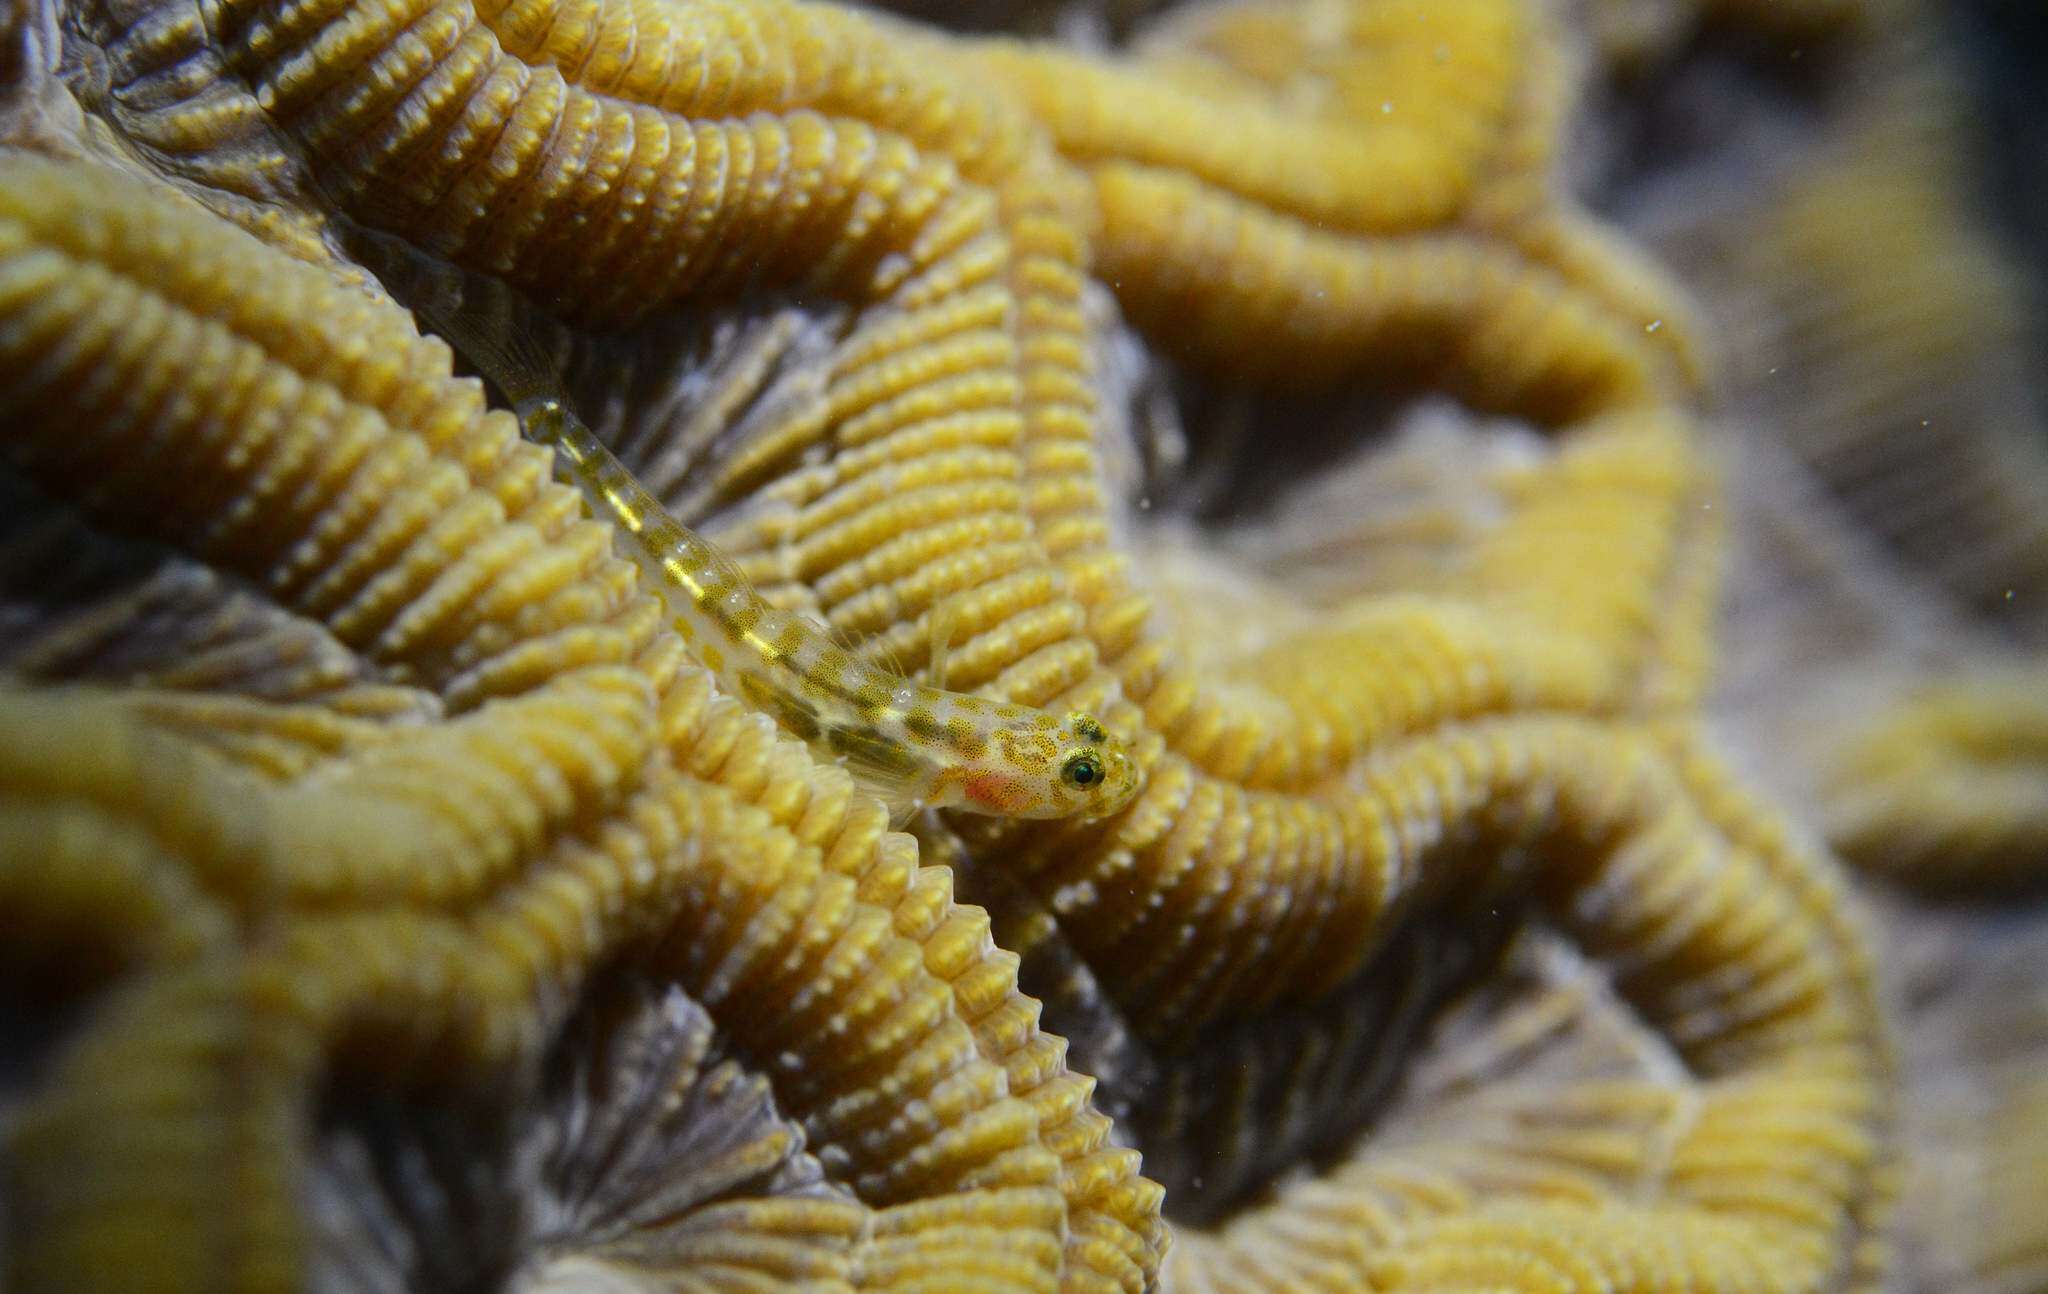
942,622
886,659
874,649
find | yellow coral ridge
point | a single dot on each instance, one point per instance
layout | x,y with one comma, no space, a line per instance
1947,786
944,1036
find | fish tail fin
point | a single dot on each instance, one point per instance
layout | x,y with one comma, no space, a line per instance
487,322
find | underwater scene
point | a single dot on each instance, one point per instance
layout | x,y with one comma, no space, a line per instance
1023,647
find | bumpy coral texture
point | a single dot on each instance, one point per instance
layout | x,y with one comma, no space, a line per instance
397,905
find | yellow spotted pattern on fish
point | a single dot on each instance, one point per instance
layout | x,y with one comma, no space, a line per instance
908,744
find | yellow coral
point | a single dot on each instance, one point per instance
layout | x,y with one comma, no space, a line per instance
466,816
427,881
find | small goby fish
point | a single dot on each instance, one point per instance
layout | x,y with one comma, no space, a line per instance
909,744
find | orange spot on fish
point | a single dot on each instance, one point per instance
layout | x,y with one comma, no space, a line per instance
996,793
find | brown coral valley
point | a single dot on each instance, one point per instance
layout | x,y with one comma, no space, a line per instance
1554,495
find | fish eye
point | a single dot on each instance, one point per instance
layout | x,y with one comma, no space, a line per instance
1086,728
1082,770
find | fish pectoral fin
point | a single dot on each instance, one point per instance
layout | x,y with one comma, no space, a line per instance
898,797
879,766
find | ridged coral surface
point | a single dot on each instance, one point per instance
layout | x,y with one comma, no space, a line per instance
394,903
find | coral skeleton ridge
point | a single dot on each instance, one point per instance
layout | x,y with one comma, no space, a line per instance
395,901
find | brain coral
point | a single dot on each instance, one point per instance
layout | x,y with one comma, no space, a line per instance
395,903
